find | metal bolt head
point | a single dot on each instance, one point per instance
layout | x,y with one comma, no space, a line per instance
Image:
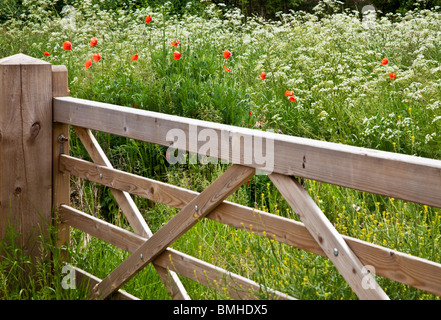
62,138
335,252
101,175
140,256
196,208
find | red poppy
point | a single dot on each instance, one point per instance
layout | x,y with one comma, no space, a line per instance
96,57
93,42
227,69
263,75
67,45
46,53
384,61
227,54
175,44
88,64
177,55
249,113
134,57
291,98
148,19
392,75
288,93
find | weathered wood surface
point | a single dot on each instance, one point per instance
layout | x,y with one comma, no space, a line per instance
237,287
419,273
60,144
390,174
25,148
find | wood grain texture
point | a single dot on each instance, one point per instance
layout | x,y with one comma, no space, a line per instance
26,147
419,273
60,180
10,137
389,174
209,199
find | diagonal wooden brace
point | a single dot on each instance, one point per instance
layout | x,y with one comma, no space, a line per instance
131,212
195,210
332,243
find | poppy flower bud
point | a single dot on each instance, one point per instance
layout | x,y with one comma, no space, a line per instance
96,57
93,42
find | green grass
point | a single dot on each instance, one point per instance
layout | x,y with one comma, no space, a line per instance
343,94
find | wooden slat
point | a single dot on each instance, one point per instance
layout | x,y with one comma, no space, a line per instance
131,212
332,243
237,286
60,180
144,187
195,210
389,174
392,264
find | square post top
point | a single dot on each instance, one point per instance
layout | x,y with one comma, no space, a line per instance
22,59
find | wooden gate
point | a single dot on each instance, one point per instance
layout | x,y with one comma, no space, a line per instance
388,174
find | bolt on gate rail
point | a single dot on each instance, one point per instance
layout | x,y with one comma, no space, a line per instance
36,113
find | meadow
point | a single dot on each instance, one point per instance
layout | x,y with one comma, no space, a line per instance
332,75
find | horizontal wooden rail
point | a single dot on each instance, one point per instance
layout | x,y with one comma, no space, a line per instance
419,273
237,287
390,174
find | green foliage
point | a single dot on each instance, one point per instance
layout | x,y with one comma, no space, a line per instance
265,8
18,9
402,6
270,9
10,9
39,279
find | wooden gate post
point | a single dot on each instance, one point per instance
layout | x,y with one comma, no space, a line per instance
60,145
25,149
